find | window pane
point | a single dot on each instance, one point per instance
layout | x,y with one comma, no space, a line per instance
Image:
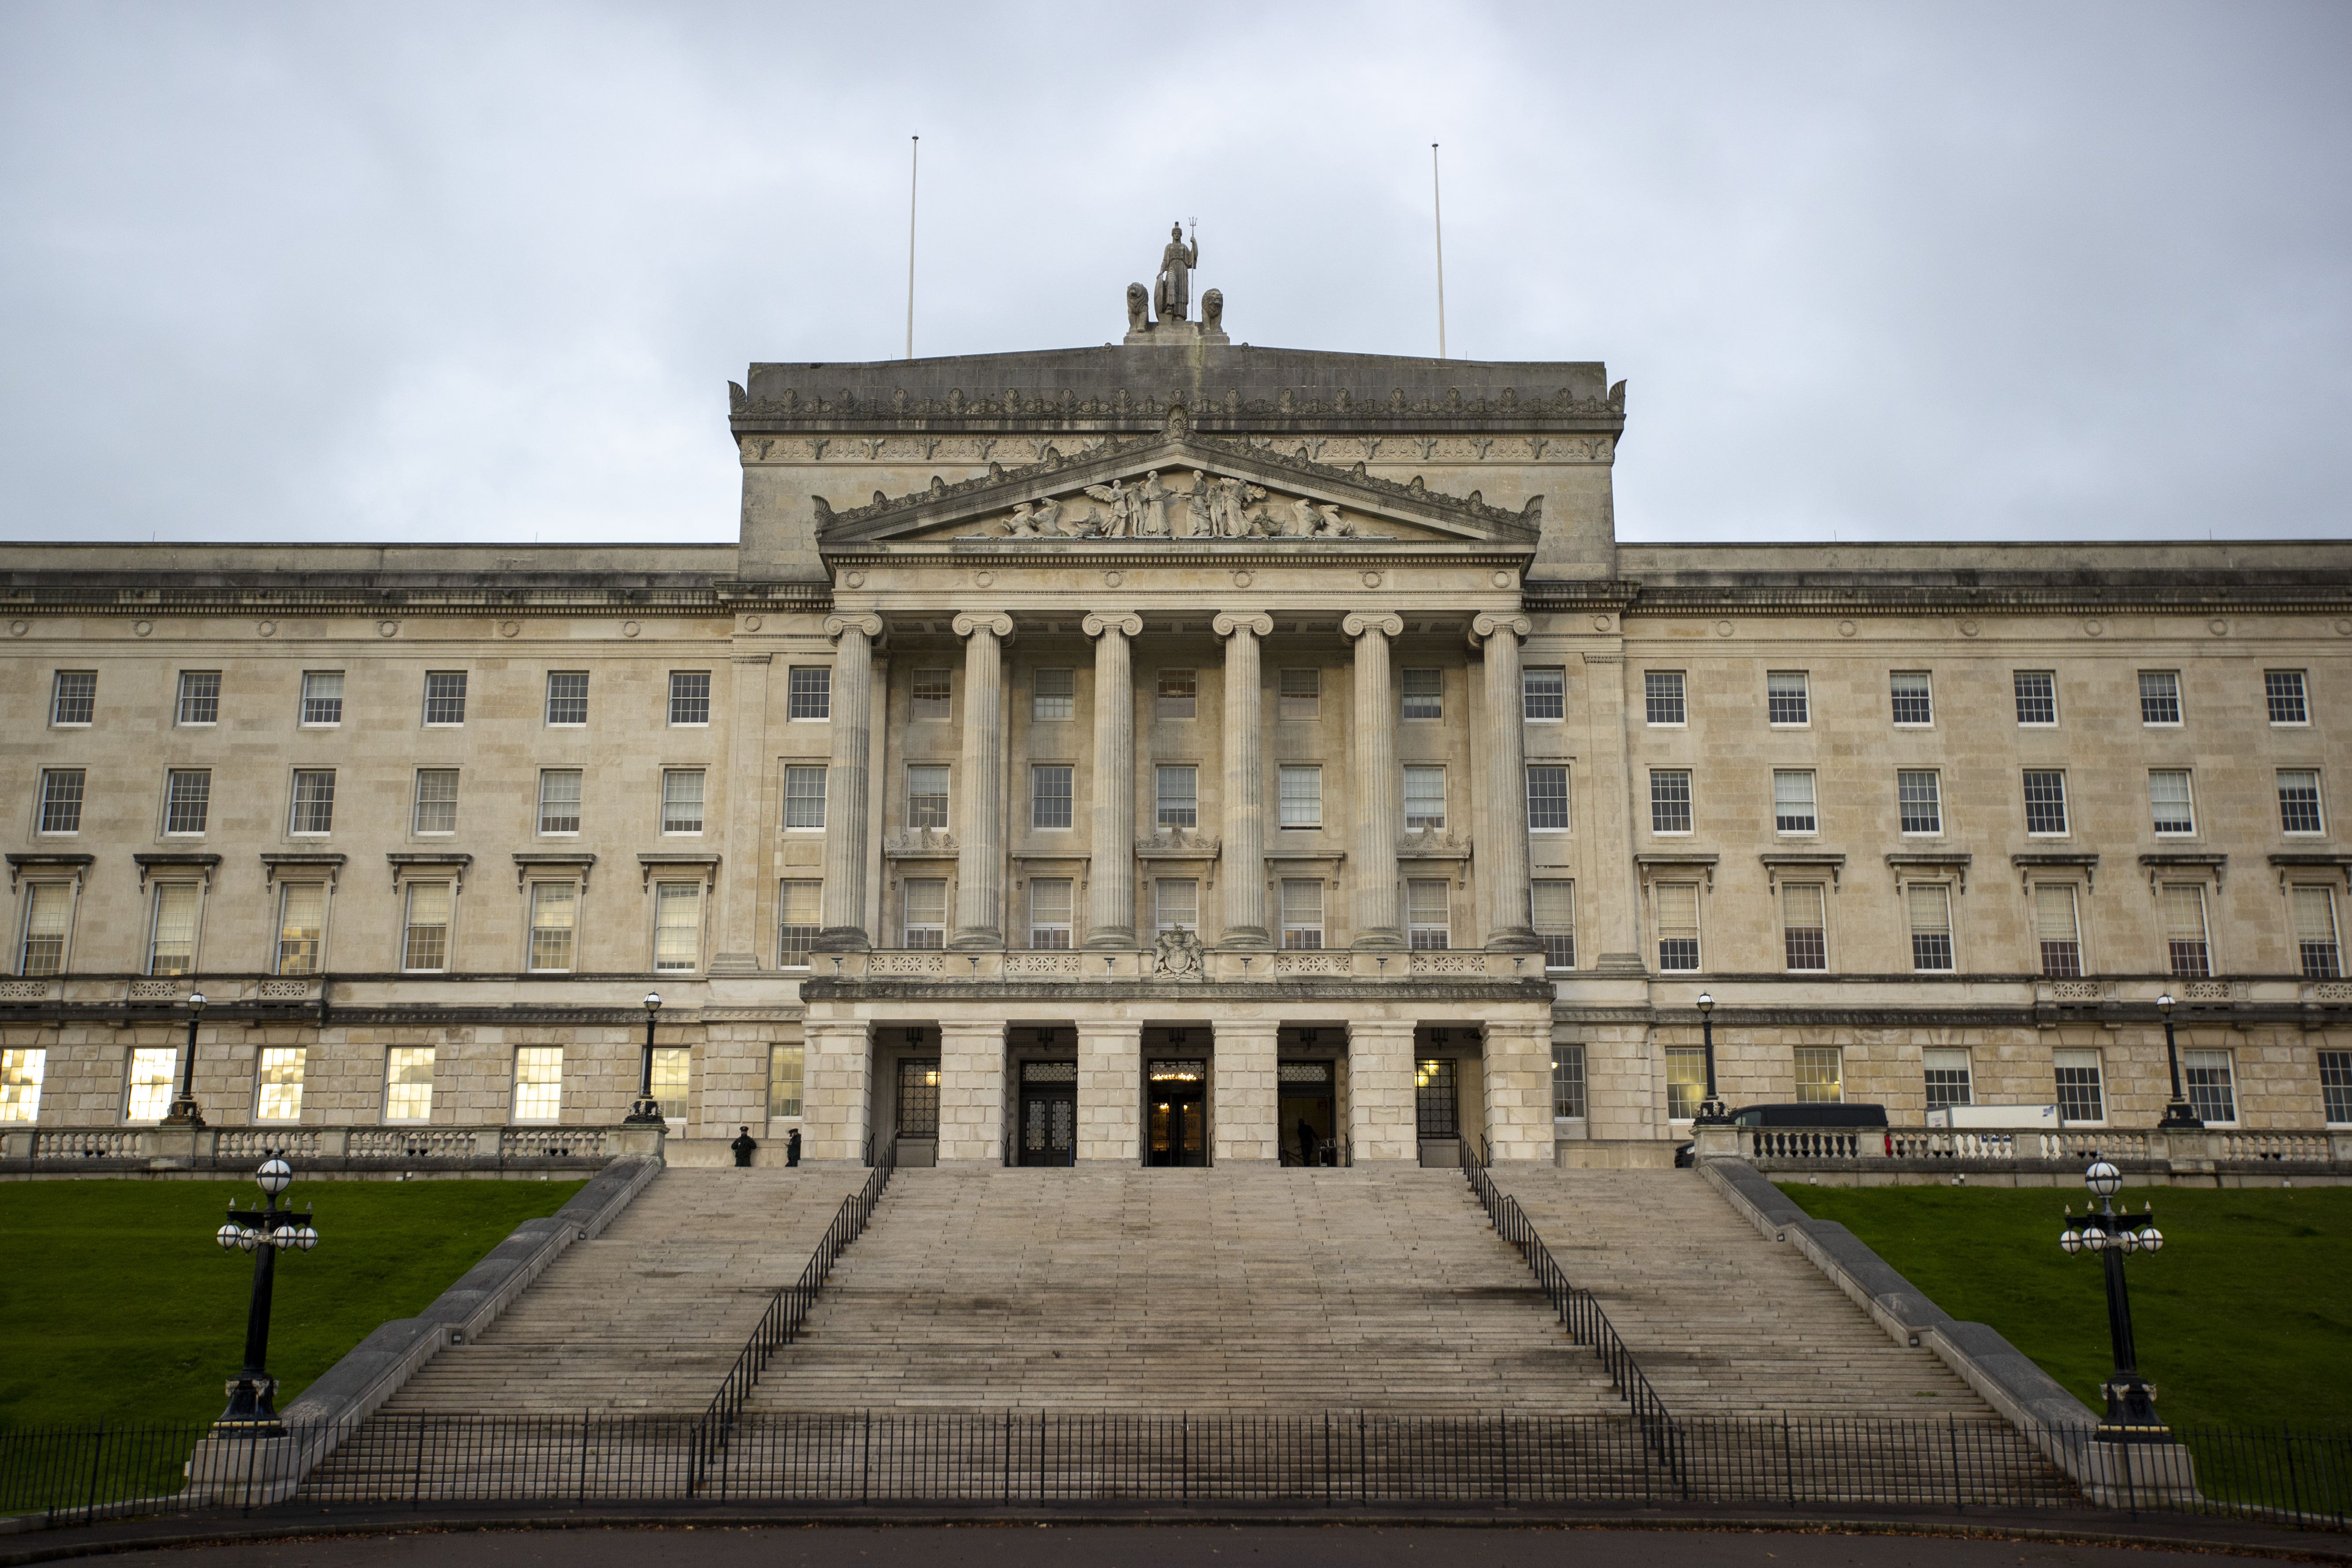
2184,930
1544,693
1054,694
1546,799
1302,797
2315,934
425,945
538,1083
1177,691
2298,792
76,700
437,800
2082,1097
1686,1081
408,1083
1179,797
811,692
1176,904
314,800
804,798
2037,697
1428,913
150,1090
785,1065
2335,1086
173,951
2159,697
1302,913
689,697
1929,906
1301,693
1567,1080
932,692
682,801
553,914
1424,693
671,1066
1949,1078
1662,694
2211,1084
2168,796
1553,906
1437,1100
322,696
2046,803
798,916
1792,802
301,923
2055,928
1670,801
61,791
677,925
1913,703
1677,905
558,800
1821,1075
2283,690
1919,802
567,697
1424,798
926,796
279,1084
445,697
1802,911
199,697
1786,700
187,803
919,1098
926,911
48,909
1050,904
1049,796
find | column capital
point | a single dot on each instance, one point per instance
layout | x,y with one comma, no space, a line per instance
997,622
836,625
1127,623
1226,624
1482,626
1388,622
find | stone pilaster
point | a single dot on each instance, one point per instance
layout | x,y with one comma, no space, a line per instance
1611,909
846,775
1519,1090
1382,1124
1502,837
1110,1093
971,1093
1248,1103
1376,783
978,818
1245,818
1110,889
735,945
836,1089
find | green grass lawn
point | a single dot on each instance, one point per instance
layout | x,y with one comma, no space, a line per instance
119,1306
2244,1318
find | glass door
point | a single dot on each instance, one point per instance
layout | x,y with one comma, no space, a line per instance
1176,1109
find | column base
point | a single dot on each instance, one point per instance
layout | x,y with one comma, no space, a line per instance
1379,938
1120,938
1625,965
1244,938
733,964
1514,939
842,939
977,942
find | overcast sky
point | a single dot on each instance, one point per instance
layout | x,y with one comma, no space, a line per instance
453,272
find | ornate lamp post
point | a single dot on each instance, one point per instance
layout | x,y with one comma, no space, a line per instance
265,1232
184,1111
646,1108
2179,1114
1712,1112
2131,1401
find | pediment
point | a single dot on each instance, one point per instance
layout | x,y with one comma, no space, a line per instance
1180,487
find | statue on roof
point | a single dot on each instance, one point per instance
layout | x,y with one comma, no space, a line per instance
1173,292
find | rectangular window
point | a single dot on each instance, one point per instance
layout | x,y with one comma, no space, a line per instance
1670,800
1438,1098
808,692
1428,914
1930,907
2185,945
2057,927
172,943
787,1066
1547,798
554,919
678,926
1425,693
2159,697
2315,940
437,800
49,910
314,800
926,796
301,927
1049,911
2169,807
559,800
1948,1078
1543,694
804,798
1302,913
2037,697
933,694
1913,700
277,1083
1792,801
1300,694
672,1063
1049,795
1568,1082
800,908
682,800
1053,695
1804,927
2211,1085
74,700
424,945
1686,1081
1178,793
2334,1087
919,1097
21,1072
2298,796
1821,1076
2283,690
199,698
1786,698
445,697
408,1083
538,1083
1552,906
322,696
1301,792
1677,905
1176,904
1662,697
1424,798
188,800
1920,800
2082,1094
689,697
1178,690
567,698
2046,803
148,1094
926,911
61,792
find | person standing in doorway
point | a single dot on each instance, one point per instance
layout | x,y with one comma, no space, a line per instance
1305,1141
792,1147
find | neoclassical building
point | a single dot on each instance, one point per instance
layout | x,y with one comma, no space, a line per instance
1173,751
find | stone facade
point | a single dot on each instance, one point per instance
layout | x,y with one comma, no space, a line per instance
1179,702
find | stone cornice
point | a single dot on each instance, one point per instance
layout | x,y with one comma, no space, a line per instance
933,993
2180,592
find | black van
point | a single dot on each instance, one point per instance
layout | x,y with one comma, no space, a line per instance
1838,1115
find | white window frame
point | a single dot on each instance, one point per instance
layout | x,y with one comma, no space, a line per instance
2318,803
1927,681
800,773
279,926
294,818
1670,688
1424,934
172,777
1696,929
58,699
579,803
464,691
571,928
1426,772
2203,1060
417,802
181,698
409,926
24,1070
683,699
808,688
1434,677
2187,803
397,1058
2272,697
1163,803
1159,904
2065,809
2071,1058
1162,696
1807,823
1689,802
2180,708
945,794
141,1094
787,927
1546,929
1935,778
1041,700
1819,892
158,891
42,801
702,803
69,891
1804,697
917,697
1042,924
2018,698
302,703
1936,1059
1295,932
1281,776
1299,706
1530,695
665,893
911,930
547,704
538,1099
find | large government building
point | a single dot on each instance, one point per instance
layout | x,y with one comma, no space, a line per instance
1174,752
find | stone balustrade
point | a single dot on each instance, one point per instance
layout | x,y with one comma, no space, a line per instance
1097,964
2229,1156
317,1150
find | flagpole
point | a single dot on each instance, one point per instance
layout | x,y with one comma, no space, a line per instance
914,164
1437,210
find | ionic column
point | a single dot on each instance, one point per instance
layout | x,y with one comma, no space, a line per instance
1110,1092
1110,888
842,899
980,818
836,1089
1502,847
1383,1122
972,1092
1244,822
1376,783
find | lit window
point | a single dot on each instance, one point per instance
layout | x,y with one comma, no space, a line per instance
445,697
278,1084
1947,1075
425,946
926,911
49,913
21,1072
1177,687
1552,906
786,1065
926,796
1821,1075
2169,805
2213,1085
804,798
1547,799
61,793
73,700
1786,700
199,698
554,919
2334,1087
1804,930
682,800
1178,795
2082,1093
1424,798
798,915
1543,693
1049,795
437,800
672,1063
1913,702
2046,803
301,927
2298,794
2057,927
1670,800
1662,697
2037,697
1176,904
1686,1081
1677,904
172,945
2283,690
932,695
322,696
1302,913
567,697
558,800
1424,693
919,1098
1049,911
188,800
538,1083
1299,694
689,697
2159,697
1792,801
1919,801
2187,950
1437,1099
1301,791
2314,933
147,1093
809,691
1929,906
678,926
1054,695
408,1083
1568,1081
1428,914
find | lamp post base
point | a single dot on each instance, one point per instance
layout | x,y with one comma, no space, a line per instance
252,1410
184,1112
645,1112
2180,1117
2131,1412
1712,1113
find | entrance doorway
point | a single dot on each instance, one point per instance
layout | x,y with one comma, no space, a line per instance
1176,1111
1306,1114
1437,1110
915,1118
1049,1114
